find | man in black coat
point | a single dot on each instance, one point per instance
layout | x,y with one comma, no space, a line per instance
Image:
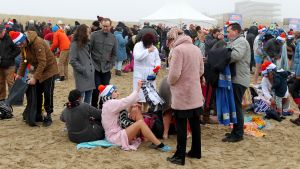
8,53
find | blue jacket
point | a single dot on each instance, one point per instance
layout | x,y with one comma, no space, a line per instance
296,59
121,53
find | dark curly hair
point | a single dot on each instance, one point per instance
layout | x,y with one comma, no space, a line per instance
81,36
148,39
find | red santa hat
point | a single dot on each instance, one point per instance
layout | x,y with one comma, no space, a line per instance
106,90
17,37
282,37
261,28
266,67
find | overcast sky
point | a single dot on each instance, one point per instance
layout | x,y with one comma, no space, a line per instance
125,10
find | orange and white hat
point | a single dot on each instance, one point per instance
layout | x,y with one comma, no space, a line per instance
106,90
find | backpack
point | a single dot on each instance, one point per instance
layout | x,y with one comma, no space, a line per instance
5,110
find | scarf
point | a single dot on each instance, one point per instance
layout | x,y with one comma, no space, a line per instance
152,98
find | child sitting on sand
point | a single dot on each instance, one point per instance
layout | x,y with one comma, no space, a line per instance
274,87
126,138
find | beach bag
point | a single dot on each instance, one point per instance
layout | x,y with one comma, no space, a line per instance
5,110
260,106
16,94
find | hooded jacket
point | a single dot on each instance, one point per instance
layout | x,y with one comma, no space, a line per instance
38,54
8,52
186,68
60,40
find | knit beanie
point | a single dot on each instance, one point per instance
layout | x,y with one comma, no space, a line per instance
55,28
17,37
106,90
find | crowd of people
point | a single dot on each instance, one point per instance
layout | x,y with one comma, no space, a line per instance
209,70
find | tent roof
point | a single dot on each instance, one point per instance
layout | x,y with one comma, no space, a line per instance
179,12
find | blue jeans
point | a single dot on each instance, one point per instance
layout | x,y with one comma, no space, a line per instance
87,96
17,64
118,65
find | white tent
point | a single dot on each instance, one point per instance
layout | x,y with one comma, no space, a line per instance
178,13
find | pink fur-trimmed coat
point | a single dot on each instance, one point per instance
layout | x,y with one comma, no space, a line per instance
186,68
110,116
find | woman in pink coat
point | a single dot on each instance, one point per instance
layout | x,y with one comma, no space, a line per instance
126,138
186,69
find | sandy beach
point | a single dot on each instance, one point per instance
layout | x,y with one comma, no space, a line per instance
22,146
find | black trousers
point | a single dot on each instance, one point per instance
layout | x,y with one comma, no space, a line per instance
46,88
238,128
181,124
100,79
296,89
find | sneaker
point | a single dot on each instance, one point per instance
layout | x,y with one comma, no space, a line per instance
165,148
47,121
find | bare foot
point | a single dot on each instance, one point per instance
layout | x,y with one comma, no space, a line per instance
165,136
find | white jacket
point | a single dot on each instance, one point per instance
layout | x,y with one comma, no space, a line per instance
144,63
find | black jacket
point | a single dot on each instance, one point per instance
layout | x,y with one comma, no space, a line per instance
209,43
8,52
217,60
280,83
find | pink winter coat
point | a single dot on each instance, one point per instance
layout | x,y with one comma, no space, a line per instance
110,114
186,68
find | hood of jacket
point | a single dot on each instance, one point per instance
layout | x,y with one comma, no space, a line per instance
182,39
31,36
117,33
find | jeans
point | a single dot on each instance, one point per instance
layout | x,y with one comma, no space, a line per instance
87,96
118,65
17,65
100,79
238,128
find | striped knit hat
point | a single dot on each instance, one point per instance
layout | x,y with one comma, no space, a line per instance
106,90
10,22
17,37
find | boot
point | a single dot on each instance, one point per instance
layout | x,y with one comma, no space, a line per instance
47,121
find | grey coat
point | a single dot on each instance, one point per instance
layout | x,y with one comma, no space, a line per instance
83,67
79,124
104,50
165,93
241,56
